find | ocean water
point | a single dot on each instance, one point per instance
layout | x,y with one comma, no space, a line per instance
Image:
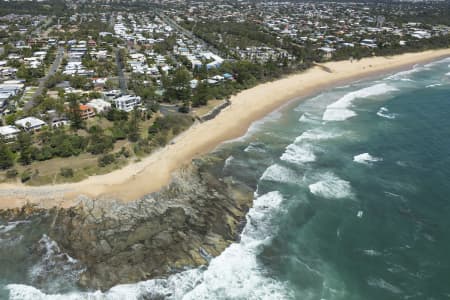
351,202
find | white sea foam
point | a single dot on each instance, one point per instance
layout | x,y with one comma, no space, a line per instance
433,85
10,226
255,147
299,154
332,187
255,126
228,161
339,110
235,274
54,264
384,113
308,118
366,158
447,74
316,134
371,252
401,75
437,62
279,173
383,284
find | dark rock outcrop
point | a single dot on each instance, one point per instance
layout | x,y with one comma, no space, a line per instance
195,217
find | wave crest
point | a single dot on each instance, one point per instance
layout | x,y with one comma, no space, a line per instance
332,187
366,158
339,110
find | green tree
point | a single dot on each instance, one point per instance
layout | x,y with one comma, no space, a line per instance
76,122
201,94
24,142
133,126
6,156
178,88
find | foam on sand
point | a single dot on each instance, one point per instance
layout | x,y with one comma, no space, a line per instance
366,158
332,187
339,110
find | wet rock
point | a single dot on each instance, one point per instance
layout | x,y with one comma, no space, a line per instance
197,216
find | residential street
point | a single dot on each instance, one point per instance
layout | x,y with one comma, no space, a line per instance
53,68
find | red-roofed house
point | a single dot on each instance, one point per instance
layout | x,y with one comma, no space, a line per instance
86,112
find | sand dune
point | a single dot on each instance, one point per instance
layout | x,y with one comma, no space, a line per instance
154,172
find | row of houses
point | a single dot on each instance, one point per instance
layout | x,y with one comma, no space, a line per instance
29,124
89,110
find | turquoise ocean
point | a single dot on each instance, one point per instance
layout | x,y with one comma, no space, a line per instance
352,201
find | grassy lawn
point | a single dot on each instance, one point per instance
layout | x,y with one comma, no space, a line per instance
203,110
48,172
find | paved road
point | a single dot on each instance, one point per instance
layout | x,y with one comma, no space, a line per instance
122,80
168,109
188,33
53,68
112,20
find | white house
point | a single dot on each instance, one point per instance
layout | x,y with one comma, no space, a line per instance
327,51
30,123
8,132
99,105
127,102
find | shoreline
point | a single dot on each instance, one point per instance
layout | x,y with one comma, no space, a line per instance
155,171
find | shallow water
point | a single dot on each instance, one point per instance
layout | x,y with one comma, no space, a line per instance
351,203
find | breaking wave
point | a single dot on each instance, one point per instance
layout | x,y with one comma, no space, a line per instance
316,135
55,268
366,158
339,110
279,173
384,113
332,187
299,154
255,147
403,74
11,225
383,284
308,118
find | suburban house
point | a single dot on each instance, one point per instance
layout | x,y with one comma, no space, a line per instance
8,132
86,112
99,105
127,102
327,51
30,123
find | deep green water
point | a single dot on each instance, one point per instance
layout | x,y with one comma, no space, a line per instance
351,202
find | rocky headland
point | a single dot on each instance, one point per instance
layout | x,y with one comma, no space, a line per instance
193,219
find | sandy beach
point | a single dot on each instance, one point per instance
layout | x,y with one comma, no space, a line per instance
155,171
